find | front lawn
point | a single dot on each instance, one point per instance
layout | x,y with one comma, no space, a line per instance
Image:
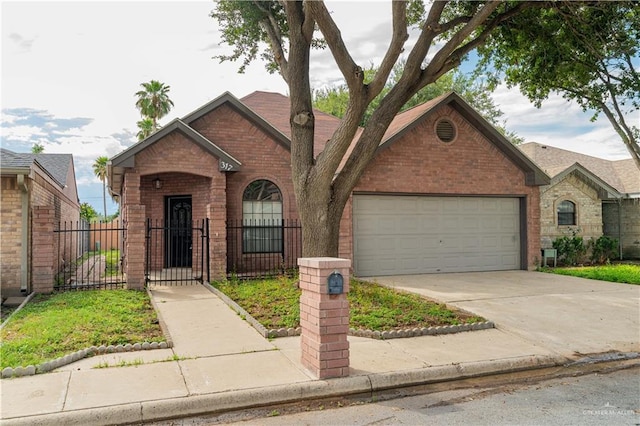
618,273
275,304
51,326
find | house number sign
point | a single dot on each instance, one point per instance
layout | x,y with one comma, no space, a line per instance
335,283
223,166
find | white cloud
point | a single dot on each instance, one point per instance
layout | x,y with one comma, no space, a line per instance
85,60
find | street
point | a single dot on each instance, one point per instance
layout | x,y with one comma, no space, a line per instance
594,399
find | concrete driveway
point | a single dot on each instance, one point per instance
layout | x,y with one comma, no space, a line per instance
567,315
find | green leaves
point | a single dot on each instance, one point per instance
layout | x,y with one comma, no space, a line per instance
587,52
153,103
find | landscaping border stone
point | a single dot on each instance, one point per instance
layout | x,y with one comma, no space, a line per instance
45,367
380,335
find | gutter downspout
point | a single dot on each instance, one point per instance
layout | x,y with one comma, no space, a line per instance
24,250
620,227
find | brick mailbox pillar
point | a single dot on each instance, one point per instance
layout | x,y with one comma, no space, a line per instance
324,317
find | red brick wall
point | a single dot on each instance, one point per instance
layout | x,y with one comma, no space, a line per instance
11,232
419,163
261,157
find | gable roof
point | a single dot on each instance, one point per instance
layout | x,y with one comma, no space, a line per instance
117,164
622,175
275,109
228,99
407,120
55,165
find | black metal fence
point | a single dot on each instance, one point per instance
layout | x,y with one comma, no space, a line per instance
88,256
261,248
177,253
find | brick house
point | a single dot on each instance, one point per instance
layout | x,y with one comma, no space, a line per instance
590,195
445,193
38,190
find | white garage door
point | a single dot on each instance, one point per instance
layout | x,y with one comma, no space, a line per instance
396,235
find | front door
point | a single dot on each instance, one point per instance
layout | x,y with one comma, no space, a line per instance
178,237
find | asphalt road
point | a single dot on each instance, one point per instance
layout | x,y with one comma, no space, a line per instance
594,399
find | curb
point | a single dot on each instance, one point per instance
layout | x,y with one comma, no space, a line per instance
216,403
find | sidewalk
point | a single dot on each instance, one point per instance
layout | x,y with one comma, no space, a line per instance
219,362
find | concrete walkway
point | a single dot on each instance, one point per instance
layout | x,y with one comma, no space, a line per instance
219,362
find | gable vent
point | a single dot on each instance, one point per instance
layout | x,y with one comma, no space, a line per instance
445,130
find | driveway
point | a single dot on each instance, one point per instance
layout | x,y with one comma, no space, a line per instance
568,315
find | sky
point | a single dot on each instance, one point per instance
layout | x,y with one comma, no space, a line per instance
69,72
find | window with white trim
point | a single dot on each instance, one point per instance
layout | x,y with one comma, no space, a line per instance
262,218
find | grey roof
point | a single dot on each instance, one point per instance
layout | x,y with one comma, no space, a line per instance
623,175
55,165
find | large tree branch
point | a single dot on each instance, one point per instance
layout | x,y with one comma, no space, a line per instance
270,26
399,37
351,72
301,118
617,120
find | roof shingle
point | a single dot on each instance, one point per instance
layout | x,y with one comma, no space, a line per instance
623,175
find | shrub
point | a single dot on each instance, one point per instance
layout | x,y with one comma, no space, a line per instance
603,249
570,249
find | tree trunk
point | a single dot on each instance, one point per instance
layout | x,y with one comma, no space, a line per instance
104,198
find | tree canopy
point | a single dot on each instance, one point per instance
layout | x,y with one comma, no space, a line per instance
37,148
588,52
153,103
333,100
283,33
87,212
100,170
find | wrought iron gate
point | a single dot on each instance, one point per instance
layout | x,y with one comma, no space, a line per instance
177,252
89,256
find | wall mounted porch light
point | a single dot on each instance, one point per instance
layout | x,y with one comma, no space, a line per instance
157,183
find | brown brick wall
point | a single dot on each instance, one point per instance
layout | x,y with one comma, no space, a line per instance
419,163
42,193
11,232
261,158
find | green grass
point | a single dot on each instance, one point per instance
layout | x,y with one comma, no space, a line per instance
275,304
51,326
619,273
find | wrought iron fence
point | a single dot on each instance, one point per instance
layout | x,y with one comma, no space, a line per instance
177,253
261,248
88,256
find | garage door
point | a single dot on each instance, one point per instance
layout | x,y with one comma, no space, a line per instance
396,235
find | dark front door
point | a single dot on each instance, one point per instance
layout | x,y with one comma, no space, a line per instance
178,232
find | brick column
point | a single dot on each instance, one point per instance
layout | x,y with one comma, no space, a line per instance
324,318
217,214
135,246
43,251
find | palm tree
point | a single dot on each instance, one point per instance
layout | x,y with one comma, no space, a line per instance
146,128
37,148
100,170
153,102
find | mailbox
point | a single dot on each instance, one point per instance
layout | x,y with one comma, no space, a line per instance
336,283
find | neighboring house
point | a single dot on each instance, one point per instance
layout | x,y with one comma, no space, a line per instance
446,192
31,181
590,195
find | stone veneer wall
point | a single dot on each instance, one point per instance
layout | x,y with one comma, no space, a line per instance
588,210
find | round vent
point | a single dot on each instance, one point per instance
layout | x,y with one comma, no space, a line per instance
445,130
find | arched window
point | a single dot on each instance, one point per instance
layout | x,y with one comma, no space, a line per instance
566,213
262,218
